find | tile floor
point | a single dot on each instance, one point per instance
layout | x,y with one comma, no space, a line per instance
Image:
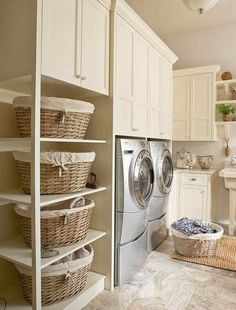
167,284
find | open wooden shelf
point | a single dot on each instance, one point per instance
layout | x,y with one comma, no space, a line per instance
93,287
15,250
23,144
225,123
18,196
64,140
226,83
225,101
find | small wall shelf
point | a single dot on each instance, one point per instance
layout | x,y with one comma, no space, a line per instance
225,101
226,83
225,123
17,196
23,144
15,250
94,286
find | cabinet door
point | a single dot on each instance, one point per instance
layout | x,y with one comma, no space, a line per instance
59,40
166,98
193,202
201,107
95,46
124,78
181,108
154,94
140,77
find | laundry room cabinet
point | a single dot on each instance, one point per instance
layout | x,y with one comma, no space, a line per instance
75,45
192,195
193,104
142,83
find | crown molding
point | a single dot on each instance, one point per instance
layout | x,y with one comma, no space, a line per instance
198,70
126,12
106,3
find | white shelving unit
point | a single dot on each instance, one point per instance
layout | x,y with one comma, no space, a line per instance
24,77
16,251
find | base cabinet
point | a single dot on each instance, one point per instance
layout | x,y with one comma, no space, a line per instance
193,202
191,196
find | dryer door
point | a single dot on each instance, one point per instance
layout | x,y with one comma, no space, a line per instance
165,172
141,178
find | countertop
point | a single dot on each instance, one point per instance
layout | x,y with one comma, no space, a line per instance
195,170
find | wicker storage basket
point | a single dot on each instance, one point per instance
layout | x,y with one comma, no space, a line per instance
199,245
59,172
60,226
60,117
59,282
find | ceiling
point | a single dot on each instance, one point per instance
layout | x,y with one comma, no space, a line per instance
167,17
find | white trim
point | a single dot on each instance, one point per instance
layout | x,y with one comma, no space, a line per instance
197,70
105,3
127,13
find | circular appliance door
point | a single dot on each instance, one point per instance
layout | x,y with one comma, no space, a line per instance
165,172
141,178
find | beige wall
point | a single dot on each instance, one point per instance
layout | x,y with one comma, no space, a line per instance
209,46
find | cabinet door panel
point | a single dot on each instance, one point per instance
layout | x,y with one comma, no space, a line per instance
201,107
181,104
193,202
59,39
95,46
140,76
166,98
124,78
154,93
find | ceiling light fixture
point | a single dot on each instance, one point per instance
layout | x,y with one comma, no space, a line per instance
200,6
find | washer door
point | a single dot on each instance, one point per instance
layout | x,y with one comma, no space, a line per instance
141,178
165,172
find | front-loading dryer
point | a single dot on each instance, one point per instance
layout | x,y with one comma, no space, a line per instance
163,176
134,188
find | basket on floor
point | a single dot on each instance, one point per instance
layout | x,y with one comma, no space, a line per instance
59,281
59,172
200,245
60,117
60,225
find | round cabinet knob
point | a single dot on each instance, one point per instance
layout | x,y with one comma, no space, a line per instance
78,76
83,78
193,179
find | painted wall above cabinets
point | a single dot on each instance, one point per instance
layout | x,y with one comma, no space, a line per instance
194,104
76,43
142,78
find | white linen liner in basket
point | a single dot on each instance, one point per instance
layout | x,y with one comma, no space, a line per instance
57,104
56,158
201,237
25,210
62,268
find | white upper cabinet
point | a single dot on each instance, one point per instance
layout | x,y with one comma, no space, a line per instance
181,108
76,43
193,101
201,107
139,122
124,78
94,47
154,94
142,100
59,40
165,99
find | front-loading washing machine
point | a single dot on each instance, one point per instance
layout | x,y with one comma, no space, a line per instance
134,188
163,176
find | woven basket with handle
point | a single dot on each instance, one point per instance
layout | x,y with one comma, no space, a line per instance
54,180
200,245
64,285
58,228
